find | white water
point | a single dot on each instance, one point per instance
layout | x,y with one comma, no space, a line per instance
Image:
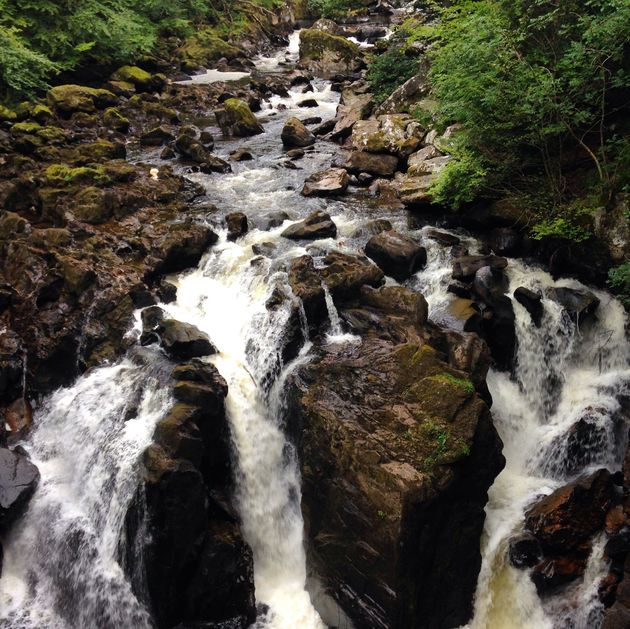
60,566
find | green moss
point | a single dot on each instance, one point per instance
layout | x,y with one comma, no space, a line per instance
42,113
447,378
60,175
314,44
133,74
207,46
25,128
115,120
7,114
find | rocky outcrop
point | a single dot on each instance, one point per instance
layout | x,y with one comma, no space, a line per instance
327,55
397,455
198,567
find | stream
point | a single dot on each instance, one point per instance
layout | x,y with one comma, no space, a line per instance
60,566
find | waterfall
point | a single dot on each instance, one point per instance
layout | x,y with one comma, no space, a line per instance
226,298
60,566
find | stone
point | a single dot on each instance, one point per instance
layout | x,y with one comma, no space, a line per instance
532,302
151,317
241,155
505,241
465,267
317,225
525,551
237,225
158,136
143,81
398,256
397,300
579,304
183,340
295,134
235,118
18,481
408,94
327,55
397,134
346,274
331,182
378,164
309,103
356,103
444,238
273,220
93,205
562,520
68,99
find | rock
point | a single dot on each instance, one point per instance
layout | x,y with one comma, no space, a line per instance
151,317
207,139
579,304
193,149
241,155
554,572
167,153
158,136
308,103
214,164
68,99
274,219
414,191
532,302
397,301
93,205
571,514
355,104
346,274
427,161
398,256
329,182
525,551
182,247
183,340
306,284
317,225
327,55
505,241
371,228
465,267
140,79
236,224
115,120
18,481
295,134
327,26
381,165
444,238
397,134
396,546
265,249
295,154
235,118
407,95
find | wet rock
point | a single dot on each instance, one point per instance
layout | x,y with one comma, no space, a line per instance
398,301
327,55
241,155
329,182
158,136
525,551
346,274
371,228
317,225
266,249
274,219
465,267
579,304
532,302
308,103
235,118
214,164
444,238
237,225
68,99
167,153
295,154
571,514
295,134
183,341
93,205
18,481
183,246
167,292
554,572
151,317
193,149
19,417
311,121
398,256
381,165
355,104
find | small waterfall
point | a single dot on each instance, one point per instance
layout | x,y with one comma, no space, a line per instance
61,567
336,333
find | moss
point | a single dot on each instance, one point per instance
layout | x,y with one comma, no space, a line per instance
99,151
59,175
52,135
115,120
132,74
447,378
67,99
42,113
25,128
207,46
7,114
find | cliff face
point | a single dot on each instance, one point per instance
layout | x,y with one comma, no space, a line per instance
398,452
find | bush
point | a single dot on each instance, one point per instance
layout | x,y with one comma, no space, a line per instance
619,279
333,8
390,70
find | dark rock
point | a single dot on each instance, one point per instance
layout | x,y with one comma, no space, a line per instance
460,289
183,340
378,164
266,249
167,153
317,225
398,256
151,317
295,154
525,551
444,238
532,302
18,481
236,119
554,572
237,225
167,292
579,304
214,164
465,267
156,137
308,103
274,219
329,182
505,241
241,155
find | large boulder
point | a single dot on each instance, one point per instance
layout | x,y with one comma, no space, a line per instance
397,134
69,99
295,134
183,341
399,256
355,104
142,80
579,304
532,302
327,55
18,481
465,267
397,454
327,183
381,165
237,225
235,118
317,225
406,97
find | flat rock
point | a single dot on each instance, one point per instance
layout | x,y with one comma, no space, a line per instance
317,225
327,183
183,341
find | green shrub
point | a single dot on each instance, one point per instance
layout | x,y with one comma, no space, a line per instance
619,279
390,70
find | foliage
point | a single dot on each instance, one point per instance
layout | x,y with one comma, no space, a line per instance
619,279
530,81
333,8
390,70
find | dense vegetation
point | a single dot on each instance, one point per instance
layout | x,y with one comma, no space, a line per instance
40,38
333,8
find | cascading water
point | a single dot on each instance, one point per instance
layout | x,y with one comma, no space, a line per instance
60,566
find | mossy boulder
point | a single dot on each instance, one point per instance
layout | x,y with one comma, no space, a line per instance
113,119
236,119
142,80
395,134
7,115
68,99
205,47
60,175
93,205
327,55
42,113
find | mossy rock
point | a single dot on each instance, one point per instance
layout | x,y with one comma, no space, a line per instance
68,99
142,80
113,119
42,113
99,151
20,128
236,118
60,175
93,205
327,55
7,115
205,47
121,88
